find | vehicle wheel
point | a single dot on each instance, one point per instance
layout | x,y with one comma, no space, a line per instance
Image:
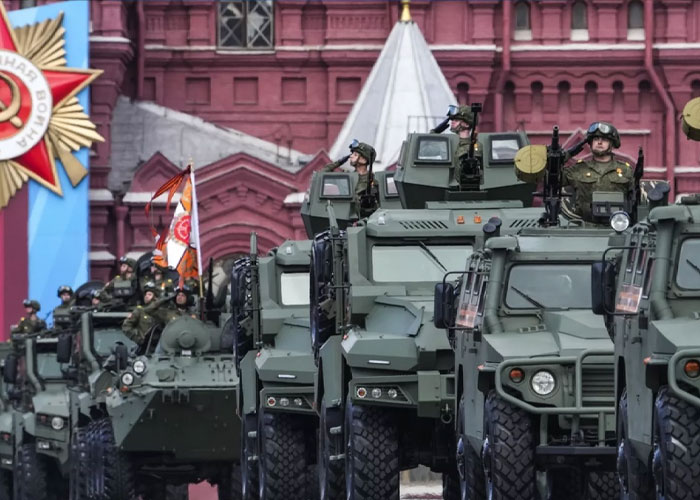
602,486
371,453
78,459
5,484
229,486
676,460
113,475
282,460
30,474
635,479
249,458
450,486
469,465
509,451
331,473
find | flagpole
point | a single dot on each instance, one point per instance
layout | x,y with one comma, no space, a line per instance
195,230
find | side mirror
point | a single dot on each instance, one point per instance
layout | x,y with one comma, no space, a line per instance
9,374
603,287
443,305
121,356
64,348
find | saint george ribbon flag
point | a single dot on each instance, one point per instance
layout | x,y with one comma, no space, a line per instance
177,247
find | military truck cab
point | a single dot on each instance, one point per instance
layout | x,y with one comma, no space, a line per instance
427,164
339,189
650,298
533,367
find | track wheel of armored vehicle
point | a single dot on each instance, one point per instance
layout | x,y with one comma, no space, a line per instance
31,475
112,477
79,465
469,466
249,457
676,459
509,451
371,453
331,470
283,456
229,486
635,479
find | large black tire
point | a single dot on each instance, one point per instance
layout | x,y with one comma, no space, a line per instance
331,474
30,475
229,486
283,456
635,478
371,453
113,476
249,458
241,308
450,486
602,486
473,484
509,451
5,484
676,447
77,480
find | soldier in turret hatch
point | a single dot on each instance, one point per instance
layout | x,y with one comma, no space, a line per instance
31,323
361,157
141,319
461,119
123,286
603,172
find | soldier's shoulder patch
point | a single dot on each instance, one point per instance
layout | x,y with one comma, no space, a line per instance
22,318
580,161
627,163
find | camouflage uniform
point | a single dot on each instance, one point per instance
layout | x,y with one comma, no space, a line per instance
62,311
462,150
30,324
137,324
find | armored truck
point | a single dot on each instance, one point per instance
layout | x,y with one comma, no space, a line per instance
270,306
533,368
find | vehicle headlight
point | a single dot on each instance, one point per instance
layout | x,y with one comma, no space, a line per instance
57,423
619,221
127,379
139,366
543,383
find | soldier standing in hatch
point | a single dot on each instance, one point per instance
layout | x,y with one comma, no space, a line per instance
30,323
65,293
141,320
602,172
361,156
461,124
126,273
164,313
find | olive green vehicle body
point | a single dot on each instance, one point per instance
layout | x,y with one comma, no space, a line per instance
653,342
42,394
6,416
575,423
178,412
282,366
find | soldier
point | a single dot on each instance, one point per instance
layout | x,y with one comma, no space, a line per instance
95,301
461,124
182,300
361,157
61,313
140,321
125,282
30,323
603,172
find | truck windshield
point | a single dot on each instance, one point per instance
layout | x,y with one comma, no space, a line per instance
294,289
47,367
688,275
555,286
416,263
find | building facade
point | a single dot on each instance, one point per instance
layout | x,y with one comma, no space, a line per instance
288,71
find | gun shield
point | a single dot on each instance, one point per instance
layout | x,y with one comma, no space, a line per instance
531,162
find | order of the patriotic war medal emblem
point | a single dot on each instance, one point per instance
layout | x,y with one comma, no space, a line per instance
41,119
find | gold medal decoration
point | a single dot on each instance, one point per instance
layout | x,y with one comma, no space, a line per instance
41,118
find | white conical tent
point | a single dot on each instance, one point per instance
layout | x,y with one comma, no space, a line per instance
405,92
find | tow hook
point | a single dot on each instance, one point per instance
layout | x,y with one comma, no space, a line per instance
446,414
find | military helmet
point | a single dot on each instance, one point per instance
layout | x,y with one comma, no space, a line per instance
183,289
151,286
463,113
129,262
363,149
95,294
34,304
605,130
64,289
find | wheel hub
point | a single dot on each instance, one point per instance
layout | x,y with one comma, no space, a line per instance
461,461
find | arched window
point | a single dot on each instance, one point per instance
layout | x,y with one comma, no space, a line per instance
635,20
523,30
463,93
579,16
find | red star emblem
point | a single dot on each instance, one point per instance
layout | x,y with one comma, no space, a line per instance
18,84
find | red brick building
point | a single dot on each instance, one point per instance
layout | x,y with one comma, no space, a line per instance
288,71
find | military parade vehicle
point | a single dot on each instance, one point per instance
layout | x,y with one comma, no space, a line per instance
384,388
6,428
169,417
41,421
649,296
270,305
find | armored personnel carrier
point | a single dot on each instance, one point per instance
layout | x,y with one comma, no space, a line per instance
270,306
